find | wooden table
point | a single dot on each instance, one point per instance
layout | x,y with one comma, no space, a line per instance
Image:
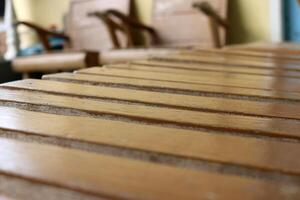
200,124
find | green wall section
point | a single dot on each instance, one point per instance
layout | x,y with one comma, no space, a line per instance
249,21
144,10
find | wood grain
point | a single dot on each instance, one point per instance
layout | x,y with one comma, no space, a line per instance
207,70
184,145
272,55
285,50
246,54
201,124
226,61
177,101
238,56
111,177
175,87
156,115
203,66
232,80
289,49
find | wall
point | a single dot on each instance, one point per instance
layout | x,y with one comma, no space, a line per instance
249,19
143,9
47,13
25,12
41,12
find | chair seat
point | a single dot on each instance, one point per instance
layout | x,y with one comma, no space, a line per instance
66,61
50,62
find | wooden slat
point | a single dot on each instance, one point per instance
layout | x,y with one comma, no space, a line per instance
274,62
225,54
116,178
265,56
158,115
213,67
283,51
183,145
167,128
272,55
174,87
291,85
225,61
184,102
289,49
206,70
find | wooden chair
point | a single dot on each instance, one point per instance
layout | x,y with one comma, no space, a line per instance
85,37
179,24
215,20
185,16
44,34
116,21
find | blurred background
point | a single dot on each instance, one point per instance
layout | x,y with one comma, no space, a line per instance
249,21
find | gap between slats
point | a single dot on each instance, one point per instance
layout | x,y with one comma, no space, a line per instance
153,103
172,90
159,158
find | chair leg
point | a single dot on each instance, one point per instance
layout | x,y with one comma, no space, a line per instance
215,33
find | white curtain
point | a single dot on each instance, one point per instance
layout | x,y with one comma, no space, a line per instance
12,40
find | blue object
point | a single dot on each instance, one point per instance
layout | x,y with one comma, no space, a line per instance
292,20
55,44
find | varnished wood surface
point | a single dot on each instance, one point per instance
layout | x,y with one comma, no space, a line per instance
201,66
227,61
253,153
231,80
288,51
116,178
240,55
178,101
209,70
181,128
157,115
174,87
252,54
277,49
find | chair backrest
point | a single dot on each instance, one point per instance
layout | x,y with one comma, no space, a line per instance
116,22
89,33
216,21
179,24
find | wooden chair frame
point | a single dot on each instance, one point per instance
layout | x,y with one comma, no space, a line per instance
215,21
126,25
44,34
